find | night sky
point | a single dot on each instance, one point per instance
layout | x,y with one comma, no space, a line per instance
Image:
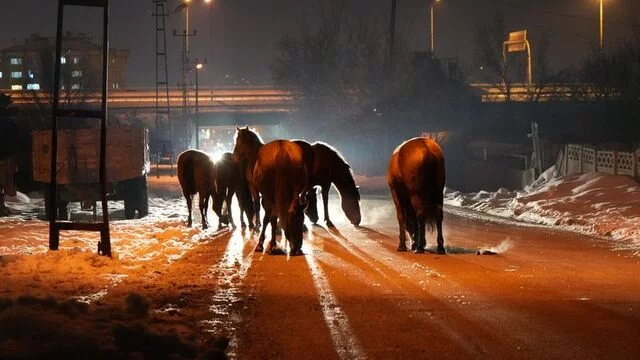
244,32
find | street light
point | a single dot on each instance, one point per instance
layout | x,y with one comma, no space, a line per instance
432,22
601,25
198,67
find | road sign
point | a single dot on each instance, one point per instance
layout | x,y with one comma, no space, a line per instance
517,41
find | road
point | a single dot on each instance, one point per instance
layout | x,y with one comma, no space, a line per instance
548,294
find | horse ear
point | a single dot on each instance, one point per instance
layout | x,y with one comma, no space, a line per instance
237,128
246,127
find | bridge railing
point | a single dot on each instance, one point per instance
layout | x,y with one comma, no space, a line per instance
581,159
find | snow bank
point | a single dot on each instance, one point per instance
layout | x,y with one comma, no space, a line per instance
594,203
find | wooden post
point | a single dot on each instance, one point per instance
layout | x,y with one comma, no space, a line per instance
615,162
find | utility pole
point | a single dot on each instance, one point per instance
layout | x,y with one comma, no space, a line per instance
184,85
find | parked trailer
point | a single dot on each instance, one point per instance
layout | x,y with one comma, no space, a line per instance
127,166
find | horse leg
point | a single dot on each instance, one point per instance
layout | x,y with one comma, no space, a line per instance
325,201
273,244
229,200
263,231
189,199
203,201
439,217
402,245
418,205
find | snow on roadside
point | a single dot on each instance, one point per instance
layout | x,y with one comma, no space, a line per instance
594,203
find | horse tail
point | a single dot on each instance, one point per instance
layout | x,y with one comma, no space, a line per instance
432,185
186,173
283,189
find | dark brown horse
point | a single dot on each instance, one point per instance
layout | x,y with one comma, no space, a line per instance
197,174
416,178
329,167
245,153
230,180
280,175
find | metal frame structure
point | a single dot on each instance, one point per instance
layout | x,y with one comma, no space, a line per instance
104,246
162,80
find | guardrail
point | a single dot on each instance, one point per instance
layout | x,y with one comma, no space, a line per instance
580,159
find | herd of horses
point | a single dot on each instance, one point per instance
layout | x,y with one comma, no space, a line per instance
281,177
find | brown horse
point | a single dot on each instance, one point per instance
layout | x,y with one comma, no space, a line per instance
280,175
416,178
229,181
245,153
329,167
197,174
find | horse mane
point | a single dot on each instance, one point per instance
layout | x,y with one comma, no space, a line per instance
344,177
251,136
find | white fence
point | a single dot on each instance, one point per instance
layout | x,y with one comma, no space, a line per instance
584,159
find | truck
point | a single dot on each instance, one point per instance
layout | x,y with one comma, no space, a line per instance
77,170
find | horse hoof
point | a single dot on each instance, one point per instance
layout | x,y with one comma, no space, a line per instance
276,251
419,251
441,250
402,248
330,224
259,248
296,252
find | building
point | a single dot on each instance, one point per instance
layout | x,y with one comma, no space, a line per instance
30,66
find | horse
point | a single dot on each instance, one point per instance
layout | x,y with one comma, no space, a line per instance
229,181
329,167
245,152
416,178
197,174
280,175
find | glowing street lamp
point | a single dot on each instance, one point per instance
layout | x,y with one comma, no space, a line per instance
198,67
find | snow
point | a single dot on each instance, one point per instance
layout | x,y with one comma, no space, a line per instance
594,204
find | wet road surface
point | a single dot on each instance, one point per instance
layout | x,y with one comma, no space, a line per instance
546,294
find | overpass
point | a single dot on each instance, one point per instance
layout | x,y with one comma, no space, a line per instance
217,106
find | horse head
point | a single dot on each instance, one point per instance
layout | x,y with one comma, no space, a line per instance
247,143
311,207
351,206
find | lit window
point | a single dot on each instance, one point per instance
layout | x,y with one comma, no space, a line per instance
16,87
16,61
16,74
76,60
30,74
33,86
75,86
63,60
0,74
76,73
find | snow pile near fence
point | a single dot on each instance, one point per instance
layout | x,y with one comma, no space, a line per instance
595,203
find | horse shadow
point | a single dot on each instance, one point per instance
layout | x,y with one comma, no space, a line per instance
453,250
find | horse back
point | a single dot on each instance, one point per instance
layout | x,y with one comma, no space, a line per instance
196,172
418,166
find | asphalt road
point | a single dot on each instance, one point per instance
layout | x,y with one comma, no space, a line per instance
546,294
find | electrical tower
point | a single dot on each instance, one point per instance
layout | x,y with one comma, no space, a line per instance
162,79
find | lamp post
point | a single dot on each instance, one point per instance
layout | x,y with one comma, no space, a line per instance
186,34
601,25
432,27
198,67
